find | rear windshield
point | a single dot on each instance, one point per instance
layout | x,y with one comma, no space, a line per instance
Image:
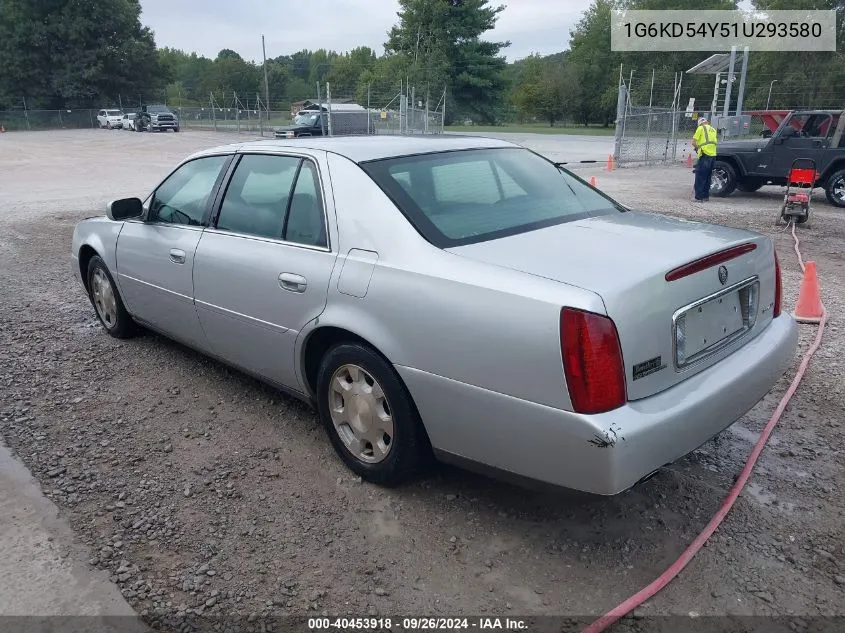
462,197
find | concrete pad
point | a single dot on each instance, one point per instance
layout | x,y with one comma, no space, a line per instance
46,584
558,147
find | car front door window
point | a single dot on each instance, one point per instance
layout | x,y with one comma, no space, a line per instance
183,197
257,196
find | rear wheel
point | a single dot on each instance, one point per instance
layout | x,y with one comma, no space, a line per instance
749,185
835,189
369,415
723,180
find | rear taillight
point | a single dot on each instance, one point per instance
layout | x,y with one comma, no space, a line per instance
592,361
778,289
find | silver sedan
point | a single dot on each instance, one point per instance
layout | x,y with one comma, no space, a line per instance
457,298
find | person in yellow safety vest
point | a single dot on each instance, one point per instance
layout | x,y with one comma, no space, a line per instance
704,143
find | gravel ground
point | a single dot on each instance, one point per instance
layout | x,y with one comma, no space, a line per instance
203,492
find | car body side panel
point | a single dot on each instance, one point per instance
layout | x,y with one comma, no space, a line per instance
156,287
246,313
101,234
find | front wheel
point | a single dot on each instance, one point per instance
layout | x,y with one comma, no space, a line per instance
835,189
176,129
723,180
369,415
107,302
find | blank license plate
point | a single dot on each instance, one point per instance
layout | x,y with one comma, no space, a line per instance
712,322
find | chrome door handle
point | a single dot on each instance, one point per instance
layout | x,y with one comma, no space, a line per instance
292,282
177,256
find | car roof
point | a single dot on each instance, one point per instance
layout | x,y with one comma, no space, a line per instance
363,148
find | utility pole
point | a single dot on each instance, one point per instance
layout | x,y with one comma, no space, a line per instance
266,83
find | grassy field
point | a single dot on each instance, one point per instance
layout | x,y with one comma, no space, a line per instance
533,129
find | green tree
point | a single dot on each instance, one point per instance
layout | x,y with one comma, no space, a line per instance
547,88
442,46
595,64
804,79
65,53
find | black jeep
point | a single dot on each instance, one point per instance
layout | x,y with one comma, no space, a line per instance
747,165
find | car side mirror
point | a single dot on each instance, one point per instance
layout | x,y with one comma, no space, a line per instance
125,209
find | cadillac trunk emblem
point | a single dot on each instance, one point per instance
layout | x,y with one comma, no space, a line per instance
723,275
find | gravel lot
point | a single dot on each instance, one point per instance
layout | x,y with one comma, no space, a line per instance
204,492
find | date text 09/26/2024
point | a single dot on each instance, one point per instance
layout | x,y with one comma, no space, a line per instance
417,624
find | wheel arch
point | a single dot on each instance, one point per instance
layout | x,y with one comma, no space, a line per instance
322,338
836,165
318,341
86,253
738,165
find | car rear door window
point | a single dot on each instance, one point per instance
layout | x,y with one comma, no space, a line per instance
183,197
256,199
306,221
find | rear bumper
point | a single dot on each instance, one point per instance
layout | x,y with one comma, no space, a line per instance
600,454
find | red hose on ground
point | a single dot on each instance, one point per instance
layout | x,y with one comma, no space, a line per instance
666,577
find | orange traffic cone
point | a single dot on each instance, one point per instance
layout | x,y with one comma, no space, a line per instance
610,162
592,181
809,308
689,161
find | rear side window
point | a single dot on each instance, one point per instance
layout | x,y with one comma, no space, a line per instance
276,197
462,197
257,197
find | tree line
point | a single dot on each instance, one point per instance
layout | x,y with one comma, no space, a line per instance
60,54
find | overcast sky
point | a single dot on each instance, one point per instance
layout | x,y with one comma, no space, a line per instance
206,26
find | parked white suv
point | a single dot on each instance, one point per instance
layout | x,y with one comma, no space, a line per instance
110,119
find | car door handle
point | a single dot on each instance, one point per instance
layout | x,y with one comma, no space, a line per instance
177,256
292,282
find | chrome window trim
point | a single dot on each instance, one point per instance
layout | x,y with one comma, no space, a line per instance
271,240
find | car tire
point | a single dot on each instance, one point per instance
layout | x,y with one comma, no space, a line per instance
382,404
834,188
176,129
108,125
106,300
750,185
724,177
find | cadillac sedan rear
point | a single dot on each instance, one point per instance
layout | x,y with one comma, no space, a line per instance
664,331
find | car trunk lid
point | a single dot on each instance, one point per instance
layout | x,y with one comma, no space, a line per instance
668,329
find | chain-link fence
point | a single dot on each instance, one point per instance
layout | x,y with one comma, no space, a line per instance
663,133
14,120
371,109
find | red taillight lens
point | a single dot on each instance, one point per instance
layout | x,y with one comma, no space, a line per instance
778,289
592,361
